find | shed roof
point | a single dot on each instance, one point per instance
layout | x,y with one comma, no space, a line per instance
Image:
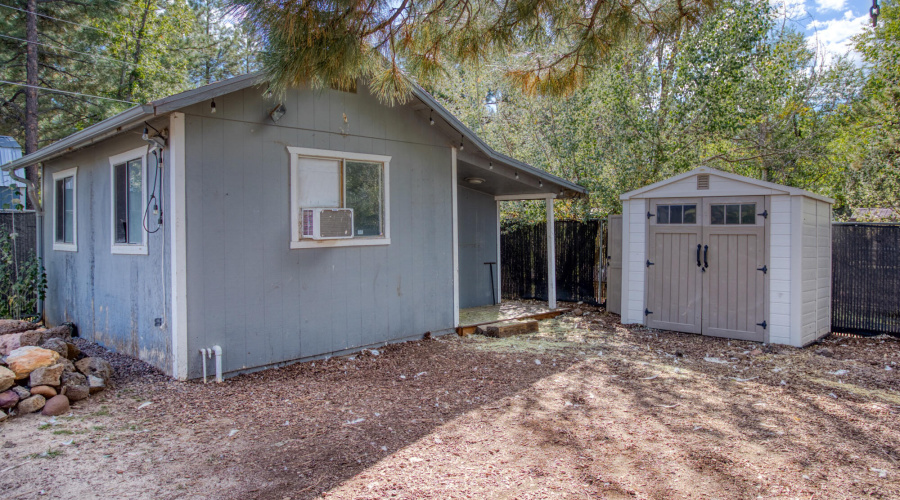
543,182
8,142
649,191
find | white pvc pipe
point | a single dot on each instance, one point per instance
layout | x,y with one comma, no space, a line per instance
218,351
203,354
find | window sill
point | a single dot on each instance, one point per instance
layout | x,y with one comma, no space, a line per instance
129,249
65,247
352,242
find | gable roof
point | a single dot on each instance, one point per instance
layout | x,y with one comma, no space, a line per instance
136,116
646,191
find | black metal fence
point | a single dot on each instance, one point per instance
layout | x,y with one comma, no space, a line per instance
865,278
523,257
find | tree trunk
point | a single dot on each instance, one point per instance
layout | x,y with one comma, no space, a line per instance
31,91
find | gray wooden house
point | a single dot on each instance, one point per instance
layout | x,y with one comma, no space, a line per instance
277,229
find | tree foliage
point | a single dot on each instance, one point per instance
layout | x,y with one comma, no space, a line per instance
126,52
335,42
739,91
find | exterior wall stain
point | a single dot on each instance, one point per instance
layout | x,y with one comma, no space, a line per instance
112,298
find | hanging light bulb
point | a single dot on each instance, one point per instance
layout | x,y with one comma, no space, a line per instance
431,117
517,175
146,134
212,106
540,183
461,145
490,165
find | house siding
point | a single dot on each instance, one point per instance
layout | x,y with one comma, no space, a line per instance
113,299
477,245
780,270
264,303
823,297
634,254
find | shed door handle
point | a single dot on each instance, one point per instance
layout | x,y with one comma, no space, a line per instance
698,255
705,251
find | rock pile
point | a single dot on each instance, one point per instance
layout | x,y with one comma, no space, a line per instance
41,370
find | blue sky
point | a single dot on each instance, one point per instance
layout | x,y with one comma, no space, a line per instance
827,24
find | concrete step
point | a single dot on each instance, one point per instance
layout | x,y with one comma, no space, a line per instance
503,329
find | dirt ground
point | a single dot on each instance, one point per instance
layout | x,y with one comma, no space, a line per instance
586,408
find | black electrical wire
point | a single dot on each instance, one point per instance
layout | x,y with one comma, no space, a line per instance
153,201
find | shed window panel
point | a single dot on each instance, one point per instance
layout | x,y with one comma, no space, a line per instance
364,192
65,210
732,214
129,198
676,214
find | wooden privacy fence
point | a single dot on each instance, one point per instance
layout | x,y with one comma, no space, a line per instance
24,226
523,260
865,298
865,279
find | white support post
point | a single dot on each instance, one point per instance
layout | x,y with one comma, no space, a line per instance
499,288
551,255
455,229
178,243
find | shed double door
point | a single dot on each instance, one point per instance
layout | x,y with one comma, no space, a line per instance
705,266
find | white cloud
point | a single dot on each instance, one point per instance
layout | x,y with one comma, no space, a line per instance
830,4
791,9
832,36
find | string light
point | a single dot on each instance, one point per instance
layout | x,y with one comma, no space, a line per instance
212,106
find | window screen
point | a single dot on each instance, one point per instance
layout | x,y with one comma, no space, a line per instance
65,210
129,202
676,214
733,214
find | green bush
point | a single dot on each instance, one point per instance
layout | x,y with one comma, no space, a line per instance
22,284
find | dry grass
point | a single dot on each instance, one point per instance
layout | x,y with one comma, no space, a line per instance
584,408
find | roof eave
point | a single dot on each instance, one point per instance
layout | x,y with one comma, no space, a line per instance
424,96
125,120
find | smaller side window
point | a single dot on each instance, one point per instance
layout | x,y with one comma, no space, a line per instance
65,218
676,214
127,172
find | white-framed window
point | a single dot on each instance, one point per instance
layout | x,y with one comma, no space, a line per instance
334,179
65,210
128,194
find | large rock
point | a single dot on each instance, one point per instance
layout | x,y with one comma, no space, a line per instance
23,392
7,378
15,326
57,405
44,390
11,342
58,345
95,367
74,386
68,365
8,399
95,384
63,332
25,360
31,405
46,375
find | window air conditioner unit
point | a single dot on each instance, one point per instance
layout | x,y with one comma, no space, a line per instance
326,223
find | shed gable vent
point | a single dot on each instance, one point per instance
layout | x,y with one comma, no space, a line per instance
703,181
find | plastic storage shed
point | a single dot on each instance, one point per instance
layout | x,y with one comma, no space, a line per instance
728,256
